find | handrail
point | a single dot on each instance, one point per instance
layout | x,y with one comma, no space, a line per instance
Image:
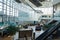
48,32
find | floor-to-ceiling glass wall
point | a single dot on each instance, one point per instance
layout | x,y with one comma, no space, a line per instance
8,11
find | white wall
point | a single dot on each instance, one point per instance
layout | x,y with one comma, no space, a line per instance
56,1
57,11
58,6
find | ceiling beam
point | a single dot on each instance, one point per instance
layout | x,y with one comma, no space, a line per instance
18,1
36,3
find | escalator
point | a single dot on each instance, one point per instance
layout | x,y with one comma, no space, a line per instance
48,32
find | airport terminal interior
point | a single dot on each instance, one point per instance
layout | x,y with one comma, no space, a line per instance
29,19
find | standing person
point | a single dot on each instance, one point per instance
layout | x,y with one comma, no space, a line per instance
41,27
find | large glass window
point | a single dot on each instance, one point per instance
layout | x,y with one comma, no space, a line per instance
7,12
4,11
1,0
5,1
8,2
4,6
8,7
17,13
13,11
11,3
0,6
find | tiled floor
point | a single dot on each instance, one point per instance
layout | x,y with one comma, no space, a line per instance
37,33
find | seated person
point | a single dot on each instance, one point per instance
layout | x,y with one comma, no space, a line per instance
38,27
26,26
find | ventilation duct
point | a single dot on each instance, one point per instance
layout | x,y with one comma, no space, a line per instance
36,2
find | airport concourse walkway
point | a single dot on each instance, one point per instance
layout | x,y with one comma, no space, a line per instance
38,33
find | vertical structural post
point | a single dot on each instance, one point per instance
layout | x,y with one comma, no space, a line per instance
3,11
6,11
53,11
